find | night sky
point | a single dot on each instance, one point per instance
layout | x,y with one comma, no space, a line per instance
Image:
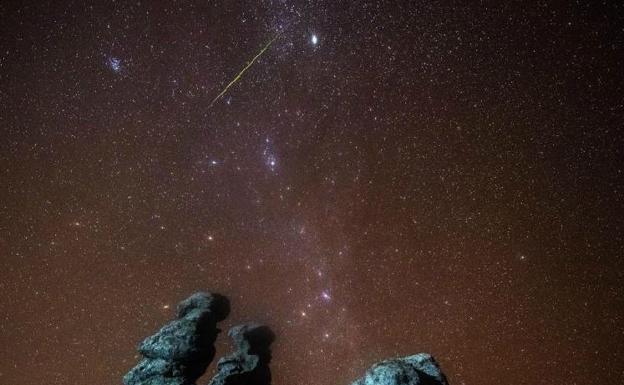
386,178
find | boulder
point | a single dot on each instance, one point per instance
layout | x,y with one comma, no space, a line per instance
180,352
249,364
418,369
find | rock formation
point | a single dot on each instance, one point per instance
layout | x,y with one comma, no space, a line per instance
181,350
249,364
419,369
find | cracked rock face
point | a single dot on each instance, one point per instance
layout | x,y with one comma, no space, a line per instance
180,352
419,369
249,364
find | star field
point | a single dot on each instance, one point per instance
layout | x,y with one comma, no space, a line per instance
385,179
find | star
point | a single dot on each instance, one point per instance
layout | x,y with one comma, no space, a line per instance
114,63
356,178
270,159
272,162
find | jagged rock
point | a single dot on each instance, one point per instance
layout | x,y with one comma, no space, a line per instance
419,369
181,350
249,364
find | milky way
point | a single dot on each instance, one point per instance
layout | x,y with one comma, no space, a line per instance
387,178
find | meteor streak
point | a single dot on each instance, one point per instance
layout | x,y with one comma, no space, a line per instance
243,70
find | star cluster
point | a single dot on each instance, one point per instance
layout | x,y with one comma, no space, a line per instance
386,178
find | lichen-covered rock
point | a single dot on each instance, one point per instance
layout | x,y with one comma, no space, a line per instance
180,352
155,372
418,369
249,364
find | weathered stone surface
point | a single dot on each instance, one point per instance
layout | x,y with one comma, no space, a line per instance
249,364
419,369
181,350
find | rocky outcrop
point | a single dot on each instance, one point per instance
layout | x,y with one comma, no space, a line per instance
181,350
249,364
419,369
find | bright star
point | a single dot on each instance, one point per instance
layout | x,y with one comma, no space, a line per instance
314,39
270,159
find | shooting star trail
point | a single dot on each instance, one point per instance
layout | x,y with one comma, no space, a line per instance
243,70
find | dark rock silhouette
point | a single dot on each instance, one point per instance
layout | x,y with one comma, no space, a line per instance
419,369
181,350
249,364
